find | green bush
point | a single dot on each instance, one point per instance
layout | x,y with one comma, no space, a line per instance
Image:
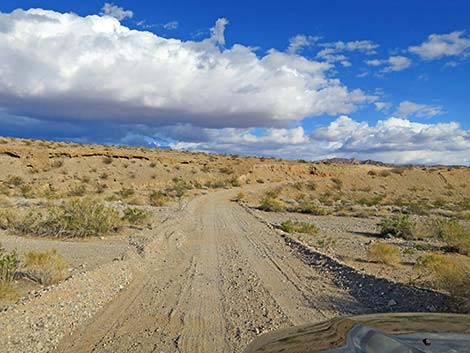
309,207
45,267
8,265
299,227
384,253
455,235
271,205
135,215
77,218
398,225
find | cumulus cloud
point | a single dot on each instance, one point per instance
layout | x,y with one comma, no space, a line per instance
334,51
392,64
393,140
116,11
171,25
299,42
408,109
456,43
111,73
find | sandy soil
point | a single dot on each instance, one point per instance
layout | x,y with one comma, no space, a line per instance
214,279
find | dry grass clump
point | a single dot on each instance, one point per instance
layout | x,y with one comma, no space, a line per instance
451,274
157,198
45,267
270,204
239,197
309,207
455,235
7,292
385,254
299,227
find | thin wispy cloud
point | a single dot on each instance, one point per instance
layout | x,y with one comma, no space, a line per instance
115,11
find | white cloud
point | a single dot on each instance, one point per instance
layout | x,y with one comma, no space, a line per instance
393,63
440,45
116,11
334,51
407,109
382,106
393,140
111,73
299,42
171,25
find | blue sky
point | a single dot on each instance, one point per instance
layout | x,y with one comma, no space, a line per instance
296,79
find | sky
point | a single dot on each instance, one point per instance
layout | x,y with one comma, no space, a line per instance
387,81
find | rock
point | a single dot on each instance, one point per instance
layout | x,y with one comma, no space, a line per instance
392,302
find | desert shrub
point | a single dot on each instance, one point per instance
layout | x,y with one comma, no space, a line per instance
384,253
299,227
7,292
45,267
226,170
271,205
309,207
152,164
157,198
7,218
239,196
104,176
26,190
126,192
77,218
385,173
235,182
455,235
311,185
326,243
8,265
260,181
134,215
57,163
451,274
15,181
338,184
179,188
78,190
398,225
4,190
107,160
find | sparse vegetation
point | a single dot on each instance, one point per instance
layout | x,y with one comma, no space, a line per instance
135,215
108,160
309,207
299,227
45,267
384,253
157,198
8,265
398,225
455,235
271,205
451,274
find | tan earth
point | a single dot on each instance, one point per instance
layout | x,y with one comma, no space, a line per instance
208,274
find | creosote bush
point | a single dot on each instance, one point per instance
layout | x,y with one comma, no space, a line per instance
451,274
135,215
384,253
45,267
398,225
157,198
309,207
76,218
299,227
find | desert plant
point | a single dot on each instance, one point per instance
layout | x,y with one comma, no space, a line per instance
326,243
78,190
309,207
384,253
45,267
8,265
157,198
126,192
135,215
7,292
338,183
299,227
398,225
455,235
239,196
451,274
7,218
107,160
271,205
77,218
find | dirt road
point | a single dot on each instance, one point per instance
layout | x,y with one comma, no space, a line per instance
213,279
